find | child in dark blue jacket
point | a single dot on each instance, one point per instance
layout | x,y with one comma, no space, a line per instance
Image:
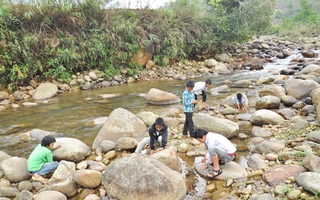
158,132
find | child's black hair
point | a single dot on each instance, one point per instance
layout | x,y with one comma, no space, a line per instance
159,121
190,83
239,95
208,81
199,133
47,140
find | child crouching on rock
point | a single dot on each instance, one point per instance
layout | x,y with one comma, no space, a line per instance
220,151
40,161
158,132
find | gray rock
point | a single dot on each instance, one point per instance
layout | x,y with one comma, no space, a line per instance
229,170
309,181
268,102
15,169
312,163
96,166
288,100
221,89
71,150
225,127
143,177
50,195
266,117
159,97
273,89
120,123
241,84
256,161
8,191
286,113
169,157
268,146
37,134
299,88
87,178
45,91
147,117
314,136
127,143
68,188
63,173
107,145
260,132
25,185
24,195
3,156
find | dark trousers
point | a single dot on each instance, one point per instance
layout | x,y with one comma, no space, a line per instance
204,96
188,124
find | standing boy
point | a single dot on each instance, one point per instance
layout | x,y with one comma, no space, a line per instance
199,89
220,151
40,161
188,101
158,132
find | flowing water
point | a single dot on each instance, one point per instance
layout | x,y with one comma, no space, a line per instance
72,114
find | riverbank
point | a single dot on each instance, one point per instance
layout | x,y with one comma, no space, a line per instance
260,162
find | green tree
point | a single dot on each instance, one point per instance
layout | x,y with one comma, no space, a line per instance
306,14
236,20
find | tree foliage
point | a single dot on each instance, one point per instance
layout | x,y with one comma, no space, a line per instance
55,40
239,20
304,23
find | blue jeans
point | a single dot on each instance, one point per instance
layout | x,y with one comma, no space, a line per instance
47,168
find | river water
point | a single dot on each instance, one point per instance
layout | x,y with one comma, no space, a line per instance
71,114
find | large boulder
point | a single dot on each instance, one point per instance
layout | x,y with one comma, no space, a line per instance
160,97
15,169
45,91
37,134
311,68
266,117
268,102
71,150
273,89
120,123
224,127
138,176
300,88
242,84
230,169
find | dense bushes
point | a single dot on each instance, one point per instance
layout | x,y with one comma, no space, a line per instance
53,41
